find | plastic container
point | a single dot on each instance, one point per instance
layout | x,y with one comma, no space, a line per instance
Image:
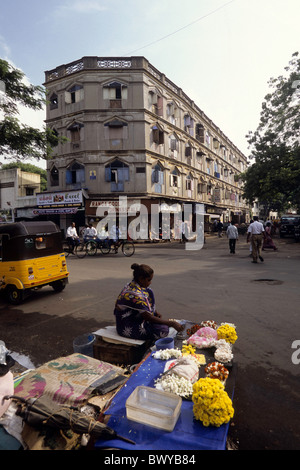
164,343
84,344
153,407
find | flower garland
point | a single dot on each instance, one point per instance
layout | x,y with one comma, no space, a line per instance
223,352
227,332
216,370
212,404
165,354
210,323
174,384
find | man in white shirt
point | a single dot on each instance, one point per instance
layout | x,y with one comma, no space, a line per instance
257,232
72,235
90,233
232,235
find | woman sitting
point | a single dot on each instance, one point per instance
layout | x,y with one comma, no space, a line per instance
136,315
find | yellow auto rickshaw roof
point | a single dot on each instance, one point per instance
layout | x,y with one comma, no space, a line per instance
24,228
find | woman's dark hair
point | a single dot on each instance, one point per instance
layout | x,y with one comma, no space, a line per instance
141,271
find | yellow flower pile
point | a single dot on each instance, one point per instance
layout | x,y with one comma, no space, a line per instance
228,333
188,349
212,404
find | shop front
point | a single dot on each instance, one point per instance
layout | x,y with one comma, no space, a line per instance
144,219
62,207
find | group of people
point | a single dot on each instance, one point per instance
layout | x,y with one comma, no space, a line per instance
90,233
258,235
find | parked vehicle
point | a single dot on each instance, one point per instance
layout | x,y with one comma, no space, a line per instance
31,256
297,230
287,225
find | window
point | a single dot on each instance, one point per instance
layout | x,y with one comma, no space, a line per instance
54,176
117,173
75,174
172,112
155,102
75,130
116,130
29,191
189,183
207,139
74,94
189,124
174,145
158,178
175,179
140,169
53,101
200,133
115,92
188,150
216,168
157,135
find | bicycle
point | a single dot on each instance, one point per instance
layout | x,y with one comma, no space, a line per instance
96,244
106,246
78,250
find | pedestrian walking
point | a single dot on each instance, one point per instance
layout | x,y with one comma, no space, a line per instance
257,232
220,229
232,235
268,242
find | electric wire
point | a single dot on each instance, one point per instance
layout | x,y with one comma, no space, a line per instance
180,29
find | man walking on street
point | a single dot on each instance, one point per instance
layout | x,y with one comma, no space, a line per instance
232,235
257,232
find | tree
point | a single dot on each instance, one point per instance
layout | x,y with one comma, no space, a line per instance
274,178
31,169
280,114
20,141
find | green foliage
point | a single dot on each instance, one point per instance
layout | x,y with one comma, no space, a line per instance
274,178
20,141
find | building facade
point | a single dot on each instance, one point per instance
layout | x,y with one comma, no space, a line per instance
18,191
130,131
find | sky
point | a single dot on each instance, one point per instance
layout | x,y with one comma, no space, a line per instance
221,53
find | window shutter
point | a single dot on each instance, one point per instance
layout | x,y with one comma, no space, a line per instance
79,95
173,144
68,177
188,151
156,136
155,175
68,98
107,174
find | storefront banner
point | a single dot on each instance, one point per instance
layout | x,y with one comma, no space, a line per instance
62,210
63,198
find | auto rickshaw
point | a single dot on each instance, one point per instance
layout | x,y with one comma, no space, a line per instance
31,256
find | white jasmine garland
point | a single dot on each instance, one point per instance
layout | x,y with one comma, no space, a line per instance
166,354
174,384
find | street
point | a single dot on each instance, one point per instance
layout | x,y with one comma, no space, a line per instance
262,300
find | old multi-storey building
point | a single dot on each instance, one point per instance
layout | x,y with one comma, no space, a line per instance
130,131
18,191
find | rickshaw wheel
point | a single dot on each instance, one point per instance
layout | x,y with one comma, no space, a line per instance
14,295
58,286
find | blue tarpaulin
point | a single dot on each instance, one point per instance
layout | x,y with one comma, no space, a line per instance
188,434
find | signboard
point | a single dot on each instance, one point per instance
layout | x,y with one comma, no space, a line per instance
59,199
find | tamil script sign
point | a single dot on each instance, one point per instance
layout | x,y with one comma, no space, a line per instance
57,199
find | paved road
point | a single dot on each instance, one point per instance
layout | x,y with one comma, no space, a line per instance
262,300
